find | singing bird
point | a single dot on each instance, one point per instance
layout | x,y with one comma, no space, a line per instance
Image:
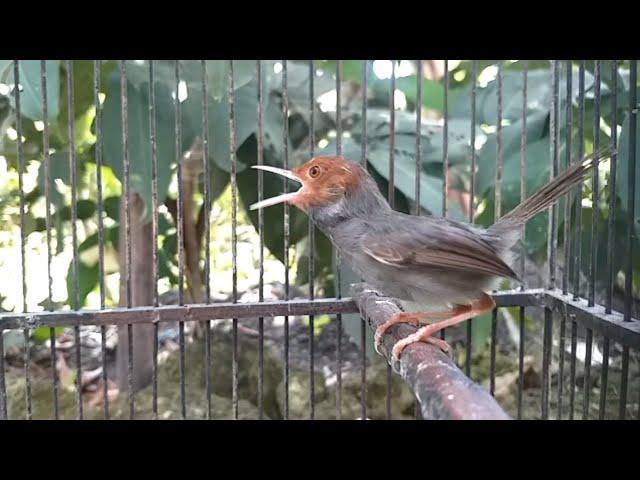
420,260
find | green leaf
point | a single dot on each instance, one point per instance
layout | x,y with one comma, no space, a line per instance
83,99
537,127
623,172
42,334
245,124
538,96
112,207
430,187
218,75
59,170
87,280
139,146
432,91
273,216
31,93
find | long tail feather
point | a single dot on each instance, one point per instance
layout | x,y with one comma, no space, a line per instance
553,190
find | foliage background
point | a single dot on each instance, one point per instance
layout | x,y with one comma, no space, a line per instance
190,93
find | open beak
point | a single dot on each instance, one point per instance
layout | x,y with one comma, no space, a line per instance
280,198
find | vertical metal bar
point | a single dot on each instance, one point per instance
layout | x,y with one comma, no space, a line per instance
3,388
631,192
259,107
587,375
207,230
578,250
312,243
445,151
181,253
520,360
552,244
567,231
613,170
285,144
604,378
418,163
391,194
624,379
561,348
419,75
338,259
553,214
523,251
234,236
74,227
445,142
572,371
392,136
103,328
365,83
567,204
363,322
23,238
127,220
498,213
472,194
498,187
154,227
47,196
4,415
492,360
207,184
546,361
595,195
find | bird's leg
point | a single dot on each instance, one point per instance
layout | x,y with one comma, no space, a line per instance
484,304
413,318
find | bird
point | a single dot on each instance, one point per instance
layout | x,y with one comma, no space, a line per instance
423,261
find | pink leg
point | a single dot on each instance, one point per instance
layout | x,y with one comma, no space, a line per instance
484,304
413,318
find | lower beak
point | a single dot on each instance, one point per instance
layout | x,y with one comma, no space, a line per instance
280,198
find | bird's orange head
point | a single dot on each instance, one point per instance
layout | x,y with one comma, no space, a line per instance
324,180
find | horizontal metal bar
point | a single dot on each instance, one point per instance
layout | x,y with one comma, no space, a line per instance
195,312
611,325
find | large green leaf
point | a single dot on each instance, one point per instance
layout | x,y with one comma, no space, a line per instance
538,96
139,146
430,187
87,281
218,74
31,93
273,216
624,171
59,170
432,91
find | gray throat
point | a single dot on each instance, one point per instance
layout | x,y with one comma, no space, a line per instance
361,203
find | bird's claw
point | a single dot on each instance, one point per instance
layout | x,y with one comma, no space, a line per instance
423,335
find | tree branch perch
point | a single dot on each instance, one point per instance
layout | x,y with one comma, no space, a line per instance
444,392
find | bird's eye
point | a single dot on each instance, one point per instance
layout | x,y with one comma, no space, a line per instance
314,171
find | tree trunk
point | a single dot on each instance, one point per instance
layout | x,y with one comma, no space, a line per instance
142,289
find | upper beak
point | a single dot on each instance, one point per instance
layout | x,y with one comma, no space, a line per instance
280,198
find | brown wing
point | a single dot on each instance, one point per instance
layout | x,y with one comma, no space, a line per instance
436,244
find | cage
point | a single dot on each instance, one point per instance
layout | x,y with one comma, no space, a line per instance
136,282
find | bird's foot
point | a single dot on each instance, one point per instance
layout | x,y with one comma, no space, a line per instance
401,317
422,335
413,318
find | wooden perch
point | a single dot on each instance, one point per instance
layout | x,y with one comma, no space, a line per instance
444,392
